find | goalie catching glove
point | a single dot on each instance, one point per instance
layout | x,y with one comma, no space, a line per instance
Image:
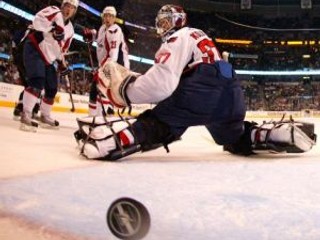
113,80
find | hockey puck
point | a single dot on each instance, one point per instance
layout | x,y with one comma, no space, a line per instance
128,219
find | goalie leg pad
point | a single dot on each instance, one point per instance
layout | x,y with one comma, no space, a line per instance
284,136
106,142
86,124
99,149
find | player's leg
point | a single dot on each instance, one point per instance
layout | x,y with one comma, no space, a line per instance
93,95
17,54
35,73
227,125
51,89
18,109
243,138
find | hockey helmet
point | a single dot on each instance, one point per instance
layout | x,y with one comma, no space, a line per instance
170,17
72,2
109,10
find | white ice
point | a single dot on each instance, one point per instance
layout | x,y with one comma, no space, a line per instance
196,192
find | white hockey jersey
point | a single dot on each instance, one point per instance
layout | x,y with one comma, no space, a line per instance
111,45
49,48
184,49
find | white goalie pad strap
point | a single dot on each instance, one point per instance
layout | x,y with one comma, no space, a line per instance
100,120
281,135
110,80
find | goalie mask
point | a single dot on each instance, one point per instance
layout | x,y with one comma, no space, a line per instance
170,18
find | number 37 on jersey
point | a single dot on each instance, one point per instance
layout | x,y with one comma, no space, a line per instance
203,49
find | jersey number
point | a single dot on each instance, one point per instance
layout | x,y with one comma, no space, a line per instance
206,46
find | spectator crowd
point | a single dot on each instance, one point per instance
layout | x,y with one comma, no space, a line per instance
268,50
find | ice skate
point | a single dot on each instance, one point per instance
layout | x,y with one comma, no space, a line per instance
48,122
17,112
27,123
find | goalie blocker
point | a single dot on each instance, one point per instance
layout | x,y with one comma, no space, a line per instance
115,139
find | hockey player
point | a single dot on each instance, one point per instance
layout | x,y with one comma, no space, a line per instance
45,46
192,87
19,37
111,45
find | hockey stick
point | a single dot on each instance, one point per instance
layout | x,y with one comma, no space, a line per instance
92,67
90,56
68,84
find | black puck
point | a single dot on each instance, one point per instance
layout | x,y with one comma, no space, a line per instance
128,219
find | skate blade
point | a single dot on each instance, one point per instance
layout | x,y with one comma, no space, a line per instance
16,118
48,126
28,128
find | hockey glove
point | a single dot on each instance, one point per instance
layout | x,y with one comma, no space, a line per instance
89,35
57,32
113,81
63,70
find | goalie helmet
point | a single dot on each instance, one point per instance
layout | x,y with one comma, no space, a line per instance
170,17
72,2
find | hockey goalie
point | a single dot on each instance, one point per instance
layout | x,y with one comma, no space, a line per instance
192,86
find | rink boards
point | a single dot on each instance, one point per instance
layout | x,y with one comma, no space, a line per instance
9,94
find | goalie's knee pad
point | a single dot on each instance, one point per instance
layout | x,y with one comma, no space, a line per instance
284,136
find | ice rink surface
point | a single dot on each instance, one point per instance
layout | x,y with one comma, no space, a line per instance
196,192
